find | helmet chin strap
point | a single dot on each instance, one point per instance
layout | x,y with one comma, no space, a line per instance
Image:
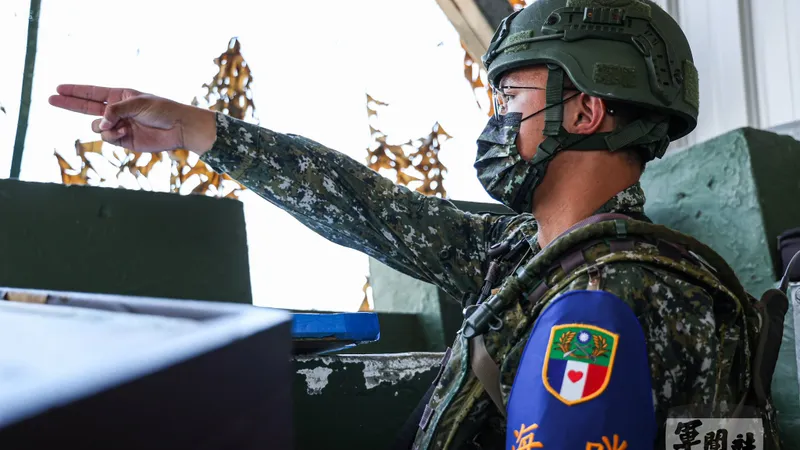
647,132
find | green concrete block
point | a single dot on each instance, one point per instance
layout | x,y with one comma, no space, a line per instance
358,401
737,193
400,333
117,241
393,291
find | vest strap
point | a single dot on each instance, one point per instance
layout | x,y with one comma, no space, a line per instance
486,371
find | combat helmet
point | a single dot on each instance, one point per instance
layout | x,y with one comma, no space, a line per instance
624,51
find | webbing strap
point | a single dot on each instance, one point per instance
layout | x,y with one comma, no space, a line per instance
486,371
597,218
554,114
790,269
484,367
538,292
772,307
621,245
573,261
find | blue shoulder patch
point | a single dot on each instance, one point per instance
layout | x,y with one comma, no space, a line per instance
584,380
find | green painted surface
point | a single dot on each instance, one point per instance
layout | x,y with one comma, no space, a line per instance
400,333
709,192
100,240
396,292
358,401
775,163
737,193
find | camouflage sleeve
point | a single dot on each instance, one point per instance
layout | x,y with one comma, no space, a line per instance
349,204
683,346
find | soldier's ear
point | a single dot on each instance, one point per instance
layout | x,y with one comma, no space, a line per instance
585,114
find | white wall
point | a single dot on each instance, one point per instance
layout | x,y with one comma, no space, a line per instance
310,81
777,57
748,57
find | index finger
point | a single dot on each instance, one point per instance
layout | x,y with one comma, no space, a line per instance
94,93
78,105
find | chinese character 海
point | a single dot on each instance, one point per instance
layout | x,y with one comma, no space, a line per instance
716,441
525,439
687,432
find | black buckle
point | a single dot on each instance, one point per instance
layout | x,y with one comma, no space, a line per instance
497,39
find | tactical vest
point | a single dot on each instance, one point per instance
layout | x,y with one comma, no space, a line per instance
496,327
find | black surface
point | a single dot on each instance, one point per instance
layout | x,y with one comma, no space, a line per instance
233,398
400,333
788,246
230,391
117,241
346,414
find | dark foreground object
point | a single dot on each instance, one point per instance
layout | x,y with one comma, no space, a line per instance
80,373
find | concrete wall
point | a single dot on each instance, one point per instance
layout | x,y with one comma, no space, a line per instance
358,401
732,193
116,241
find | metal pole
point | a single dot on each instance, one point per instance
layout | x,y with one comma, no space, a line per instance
27,87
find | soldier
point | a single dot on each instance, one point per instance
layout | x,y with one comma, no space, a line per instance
586,325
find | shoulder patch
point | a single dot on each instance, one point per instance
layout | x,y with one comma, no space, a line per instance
584,379
579,362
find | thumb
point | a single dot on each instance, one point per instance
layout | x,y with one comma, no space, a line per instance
122,110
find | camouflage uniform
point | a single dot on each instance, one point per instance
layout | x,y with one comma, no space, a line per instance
692,347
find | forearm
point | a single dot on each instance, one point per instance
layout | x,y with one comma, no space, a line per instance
351,205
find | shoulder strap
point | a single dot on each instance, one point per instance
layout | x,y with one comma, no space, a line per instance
591,220
595,227
486,371
484,367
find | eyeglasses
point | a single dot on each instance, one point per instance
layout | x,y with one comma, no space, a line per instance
501,98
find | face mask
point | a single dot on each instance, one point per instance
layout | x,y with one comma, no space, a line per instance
501,170
511,180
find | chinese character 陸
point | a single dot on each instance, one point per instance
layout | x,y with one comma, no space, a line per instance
748,443
525,439
616,445
687,432
716,441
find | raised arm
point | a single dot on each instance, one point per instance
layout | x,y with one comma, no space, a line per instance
342,200
349,204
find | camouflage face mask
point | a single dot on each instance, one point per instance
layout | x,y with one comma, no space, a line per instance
501,170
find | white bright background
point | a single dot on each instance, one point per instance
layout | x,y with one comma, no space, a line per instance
312,62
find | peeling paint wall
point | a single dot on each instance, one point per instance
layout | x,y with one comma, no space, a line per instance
358,401
375,370
316,379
